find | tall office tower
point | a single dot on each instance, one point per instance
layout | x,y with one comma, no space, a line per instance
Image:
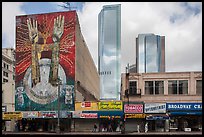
109,46
150,53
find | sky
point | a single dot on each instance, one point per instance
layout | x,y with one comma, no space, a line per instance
179,22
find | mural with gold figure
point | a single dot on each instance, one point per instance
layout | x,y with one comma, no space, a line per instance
45,61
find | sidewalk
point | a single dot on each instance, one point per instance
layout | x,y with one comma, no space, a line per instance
101,133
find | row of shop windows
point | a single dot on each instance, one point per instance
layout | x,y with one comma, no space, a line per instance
157,87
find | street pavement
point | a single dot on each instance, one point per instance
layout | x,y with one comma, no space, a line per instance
101,133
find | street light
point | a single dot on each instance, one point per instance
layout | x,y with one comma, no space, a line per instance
59,82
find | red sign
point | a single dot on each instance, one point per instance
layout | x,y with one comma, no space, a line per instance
89,115
133,108
86,104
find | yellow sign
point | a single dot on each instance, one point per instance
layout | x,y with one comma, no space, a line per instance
87,105
12,115
110,105
134,115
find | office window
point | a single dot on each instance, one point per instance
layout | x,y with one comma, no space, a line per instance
199,87
132,87
4,65
5,80
5,74
178,86
154,87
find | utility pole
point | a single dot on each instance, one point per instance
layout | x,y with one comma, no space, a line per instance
58,117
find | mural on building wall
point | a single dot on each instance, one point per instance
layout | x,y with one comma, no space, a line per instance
45,55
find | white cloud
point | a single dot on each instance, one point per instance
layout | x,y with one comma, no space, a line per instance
9,12
183,37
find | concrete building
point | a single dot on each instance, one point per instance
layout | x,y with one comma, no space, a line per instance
109,55
8,83
67,70
150,53
170,100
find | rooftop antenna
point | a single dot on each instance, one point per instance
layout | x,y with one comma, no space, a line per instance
67,5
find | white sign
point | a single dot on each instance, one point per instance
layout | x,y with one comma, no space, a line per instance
155,108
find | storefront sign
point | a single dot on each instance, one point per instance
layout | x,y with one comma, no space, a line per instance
47,114
89,115
110,105
157,117
134,115
87,105
3,108
12,115
30,114
186,113
110,114
184,106
133,108
155,108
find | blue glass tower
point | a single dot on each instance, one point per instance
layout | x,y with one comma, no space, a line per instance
150,53
109,54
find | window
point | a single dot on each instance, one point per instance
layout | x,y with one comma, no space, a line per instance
199,87
4,65
5,74
132,87
5,80
154,87
178,86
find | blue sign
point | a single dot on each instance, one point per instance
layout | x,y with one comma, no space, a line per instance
157,117
184,106
186,113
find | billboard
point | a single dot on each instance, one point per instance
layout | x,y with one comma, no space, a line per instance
110,105
45,61
86,105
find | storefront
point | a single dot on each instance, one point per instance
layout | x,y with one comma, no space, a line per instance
156,117
134,117
11,120
83,121
185,116
85,116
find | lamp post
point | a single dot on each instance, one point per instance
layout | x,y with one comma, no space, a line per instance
59,82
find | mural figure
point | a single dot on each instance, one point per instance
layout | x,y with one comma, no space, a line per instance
33,35
45,53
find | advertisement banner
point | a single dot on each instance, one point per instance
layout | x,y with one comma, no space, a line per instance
30,114
155,108
184,106
110,105
48,114
133,108
87,105
12,115
45,61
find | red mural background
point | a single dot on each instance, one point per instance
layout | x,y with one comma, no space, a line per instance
45,23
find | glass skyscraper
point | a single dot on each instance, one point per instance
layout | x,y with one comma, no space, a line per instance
150,53
109,52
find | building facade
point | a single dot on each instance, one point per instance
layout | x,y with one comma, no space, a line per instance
150,53
53,70
109,51
8,84
171,101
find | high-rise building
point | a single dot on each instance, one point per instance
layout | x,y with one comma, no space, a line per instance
109,46
150,53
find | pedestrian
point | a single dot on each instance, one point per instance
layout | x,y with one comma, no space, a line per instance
146,127
95,128
138,128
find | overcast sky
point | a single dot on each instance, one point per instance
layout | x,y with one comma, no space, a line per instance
180,23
